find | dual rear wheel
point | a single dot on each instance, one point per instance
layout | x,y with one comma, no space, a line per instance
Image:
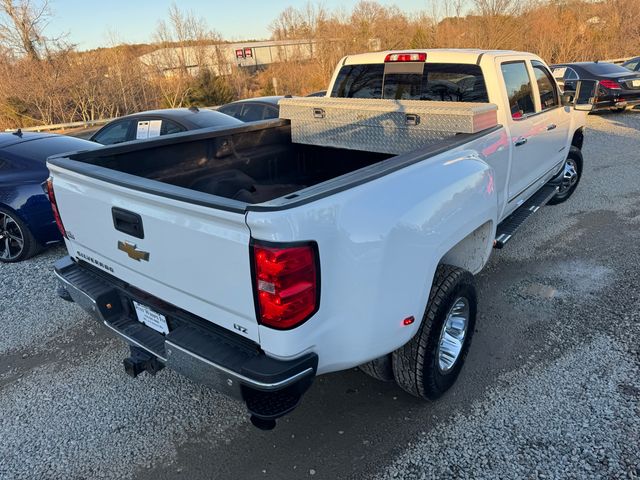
429,364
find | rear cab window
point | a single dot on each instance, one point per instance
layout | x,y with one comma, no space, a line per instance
441,82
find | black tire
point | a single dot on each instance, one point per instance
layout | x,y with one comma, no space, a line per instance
380,369
575,156
618,110
416,365
30,246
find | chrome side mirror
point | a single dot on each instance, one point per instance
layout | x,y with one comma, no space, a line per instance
585,96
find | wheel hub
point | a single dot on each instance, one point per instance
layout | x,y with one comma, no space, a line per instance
11,238
569,175
453,334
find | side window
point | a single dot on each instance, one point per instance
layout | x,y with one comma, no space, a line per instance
168,127
252,112
631,64
558,72
271,112
570,74
519,91
115,133
546,86
232,109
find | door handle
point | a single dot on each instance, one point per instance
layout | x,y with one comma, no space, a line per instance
127,222
520,141
551,127
412,119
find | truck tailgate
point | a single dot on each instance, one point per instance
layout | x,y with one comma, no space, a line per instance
198,257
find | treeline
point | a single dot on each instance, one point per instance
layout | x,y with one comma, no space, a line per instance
45,80
556,30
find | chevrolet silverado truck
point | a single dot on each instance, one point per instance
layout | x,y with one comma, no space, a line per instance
345,233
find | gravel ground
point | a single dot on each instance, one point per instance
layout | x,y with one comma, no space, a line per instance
28,293
548,422
88,420
551,387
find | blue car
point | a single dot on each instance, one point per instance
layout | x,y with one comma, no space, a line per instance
27,223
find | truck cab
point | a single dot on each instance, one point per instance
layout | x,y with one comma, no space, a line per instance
539,127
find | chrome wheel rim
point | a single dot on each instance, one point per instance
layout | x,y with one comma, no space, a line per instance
569,176
11,238
453,334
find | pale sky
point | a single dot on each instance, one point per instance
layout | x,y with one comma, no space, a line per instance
89,22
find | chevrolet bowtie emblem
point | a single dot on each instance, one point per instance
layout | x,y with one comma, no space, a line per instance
133,252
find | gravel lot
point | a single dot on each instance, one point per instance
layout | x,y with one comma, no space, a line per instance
551,388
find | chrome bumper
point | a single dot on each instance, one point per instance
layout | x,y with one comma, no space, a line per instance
193,347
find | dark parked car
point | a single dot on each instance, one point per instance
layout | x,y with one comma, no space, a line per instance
160,122
253,109
618,87
633,64
27,222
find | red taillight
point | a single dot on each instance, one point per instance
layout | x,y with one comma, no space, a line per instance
286,284
610,84
406,57
54,206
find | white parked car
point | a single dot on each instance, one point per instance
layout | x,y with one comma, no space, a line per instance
345,233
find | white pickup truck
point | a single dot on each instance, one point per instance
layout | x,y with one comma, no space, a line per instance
256,257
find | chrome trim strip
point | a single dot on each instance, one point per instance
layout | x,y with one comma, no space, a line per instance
252,383
504,238
135,342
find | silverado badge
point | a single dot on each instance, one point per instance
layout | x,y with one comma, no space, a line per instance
133,252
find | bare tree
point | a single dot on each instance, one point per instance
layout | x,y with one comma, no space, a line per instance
186,46
22,23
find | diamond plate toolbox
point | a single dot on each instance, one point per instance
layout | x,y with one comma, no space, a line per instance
381,125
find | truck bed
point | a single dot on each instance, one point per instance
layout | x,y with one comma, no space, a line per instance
249,165
233,169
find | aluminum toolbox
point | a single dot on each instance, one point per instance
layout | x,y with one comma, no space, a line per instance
380,125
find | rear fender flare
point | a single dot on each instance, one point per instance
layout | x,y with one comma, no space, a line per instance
473,220
473,251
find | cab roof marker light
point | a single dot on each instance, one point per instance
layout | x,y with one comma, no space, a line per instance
405,57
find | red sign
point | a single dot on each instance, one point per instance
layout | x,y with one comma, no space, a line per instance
239,53
248,52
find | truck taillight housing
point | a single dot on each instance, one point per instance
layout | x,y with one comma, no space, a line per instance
286,283
54,206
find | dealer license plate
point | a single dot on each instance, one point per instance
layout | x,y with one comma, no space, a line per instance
150,318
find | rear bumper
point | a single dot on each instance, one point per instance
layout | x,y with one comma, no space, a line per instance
625,98
193,347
